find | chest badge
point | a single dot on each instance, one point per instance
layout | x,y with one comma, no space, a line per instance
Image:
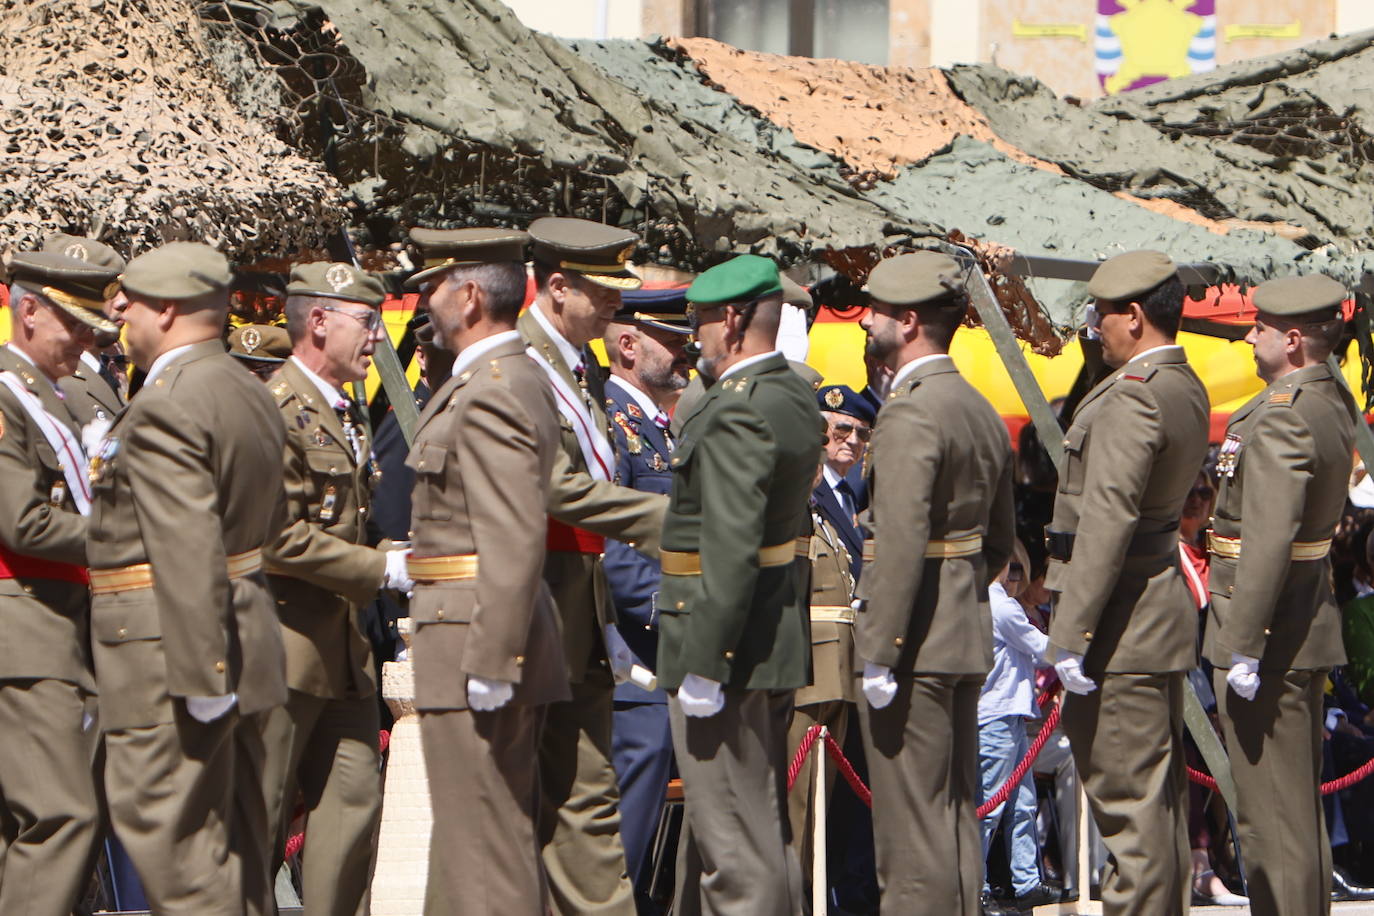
1229,456
657,462
321,438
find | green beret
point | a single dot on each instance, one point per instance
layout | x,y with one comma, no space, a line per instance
1129,275
594,250
260,343
1315,297
88,250
915,279
178,270
335,281
740,279
77,287
445,248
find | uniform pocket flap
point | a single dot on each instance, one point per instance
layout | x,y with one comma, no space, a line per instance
429,458
126,619
682,454
326,461
1073,438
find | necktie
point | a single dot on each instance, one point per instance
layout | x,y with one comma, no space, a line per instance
846,495
108,372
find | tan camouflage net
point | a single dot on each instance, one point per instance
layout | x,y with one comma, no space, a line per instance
116,125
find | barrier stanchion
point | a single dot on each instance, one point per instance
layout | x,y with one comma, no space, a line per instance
819,891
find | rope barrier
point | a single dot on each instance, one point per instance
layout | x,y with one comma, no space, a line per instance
1328,788
296,842
1002,794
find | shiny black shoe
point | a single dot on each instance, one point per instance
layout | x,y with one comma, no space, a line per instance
1344,889
993,908
1040,895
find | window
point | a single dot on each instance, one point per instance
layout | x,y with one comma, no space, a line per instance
848,29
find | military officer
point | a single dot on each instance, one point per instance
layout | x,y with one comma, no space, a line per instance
1274,629
579,272
488,659
187,489
645,345
849,426
1124,623
260,348
733,640
49,813
939,479
323,742
94,389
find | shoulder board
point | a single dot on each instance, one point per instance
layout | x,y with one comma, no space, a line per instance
1283,397
282,392
1137,375
738,385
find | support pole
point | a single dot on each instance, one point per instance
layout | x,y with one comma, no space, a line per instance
820,902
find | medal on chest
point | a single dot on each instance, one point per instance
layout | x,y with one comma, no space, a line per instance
100,463
1229,456
329,504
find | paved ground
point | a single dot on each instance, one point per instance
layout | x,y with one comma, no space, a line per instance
1337,909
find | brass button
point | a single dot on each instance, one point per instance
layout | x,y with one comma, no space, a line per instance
28,589
1066,443
1088,635
632,544
1268,632
333,469
1230,589
601,556
729,656
680,605
898,642
123,631
219,667
439,614
421,464
519,660
362,510
158,383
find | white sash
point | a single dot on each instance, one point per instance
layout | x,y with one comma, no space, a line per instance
596,449
67,447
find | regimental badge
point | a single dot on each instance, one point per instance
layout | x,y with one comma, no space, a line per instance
1229,456
321,437
634,443
328,504
58,494
78,251
251,338
834,398
634,411
657,463
339,277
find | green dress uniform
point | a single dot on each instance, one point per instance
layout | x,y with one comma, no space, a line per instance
1134,448
1284,472
580,818
187,490
49,813
733,608
323,743
941,526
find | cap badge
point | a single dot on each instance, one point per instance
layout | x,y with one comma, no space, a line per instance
834,398
251,339
78,251
338,277
625,254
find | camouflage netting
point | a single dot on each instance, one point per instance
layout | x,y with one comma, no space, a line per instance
115,126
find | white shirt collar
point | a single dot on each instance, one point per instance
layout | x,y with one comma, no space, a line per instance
908,368
830,476
161,362
90,360
328,393
471,353
1143,353
571,355
645,402
746,363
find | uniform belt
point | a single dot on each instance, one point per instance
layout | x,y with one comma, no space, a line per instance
1060,543
1301,550
832,613
567,539
947,549
442,569
140,575
17,566
688,563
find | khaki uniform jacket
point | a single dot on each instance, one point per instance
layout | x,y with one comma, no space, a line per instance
742,476
940,469
189,476
832,642
483,455
45,635
1295,439
577,498
89,396
321,568
1134,449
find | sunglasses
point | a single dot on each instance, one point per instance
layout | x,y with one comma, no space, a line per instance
842,431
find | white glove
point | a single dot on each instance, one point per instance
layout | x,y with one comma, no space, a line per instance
93,433
486,694
397,576
700,697
792,339
879,685
208,709
618,654
1070,670
1244,676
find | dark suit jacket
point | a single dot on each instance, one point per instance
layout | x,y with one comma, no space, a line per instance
828,505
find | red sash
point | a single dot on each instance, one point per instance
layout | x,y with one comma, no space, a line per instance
568,539
17,566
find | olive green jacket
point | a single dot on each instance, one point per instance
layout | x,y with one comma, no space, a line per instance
1293,444
1133,451
742,476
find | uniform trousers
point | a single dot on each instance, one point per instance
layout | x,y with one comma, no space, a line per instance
185,799
49,813
735,856
1275,746
484,790
1127,740
326,750
642,741
922,751
579,820
834,715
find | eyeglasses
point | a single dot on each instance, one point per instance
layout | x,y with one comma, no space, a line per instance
842,431
371,321
693,313
1015,572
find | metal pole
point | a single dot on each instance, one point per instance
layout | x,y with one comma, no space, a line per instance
820,904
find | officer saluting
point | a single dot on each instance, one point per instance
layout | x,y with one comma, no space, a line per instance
1274,631
187,490
1124,621
48,804
323,742
733,640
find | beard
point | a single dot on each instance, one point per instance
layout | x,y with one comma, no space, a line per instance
668,376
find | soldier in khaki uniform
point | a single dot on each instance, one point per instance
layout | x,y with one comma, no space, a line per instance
733,636
488,659
93,390
187,647
1124,622
323,742
48,800
579,270
1274,630
260,348
939,483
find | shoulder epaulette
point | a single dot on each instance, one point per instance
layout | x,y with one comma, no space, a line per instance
1282,397
739,384
282,392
